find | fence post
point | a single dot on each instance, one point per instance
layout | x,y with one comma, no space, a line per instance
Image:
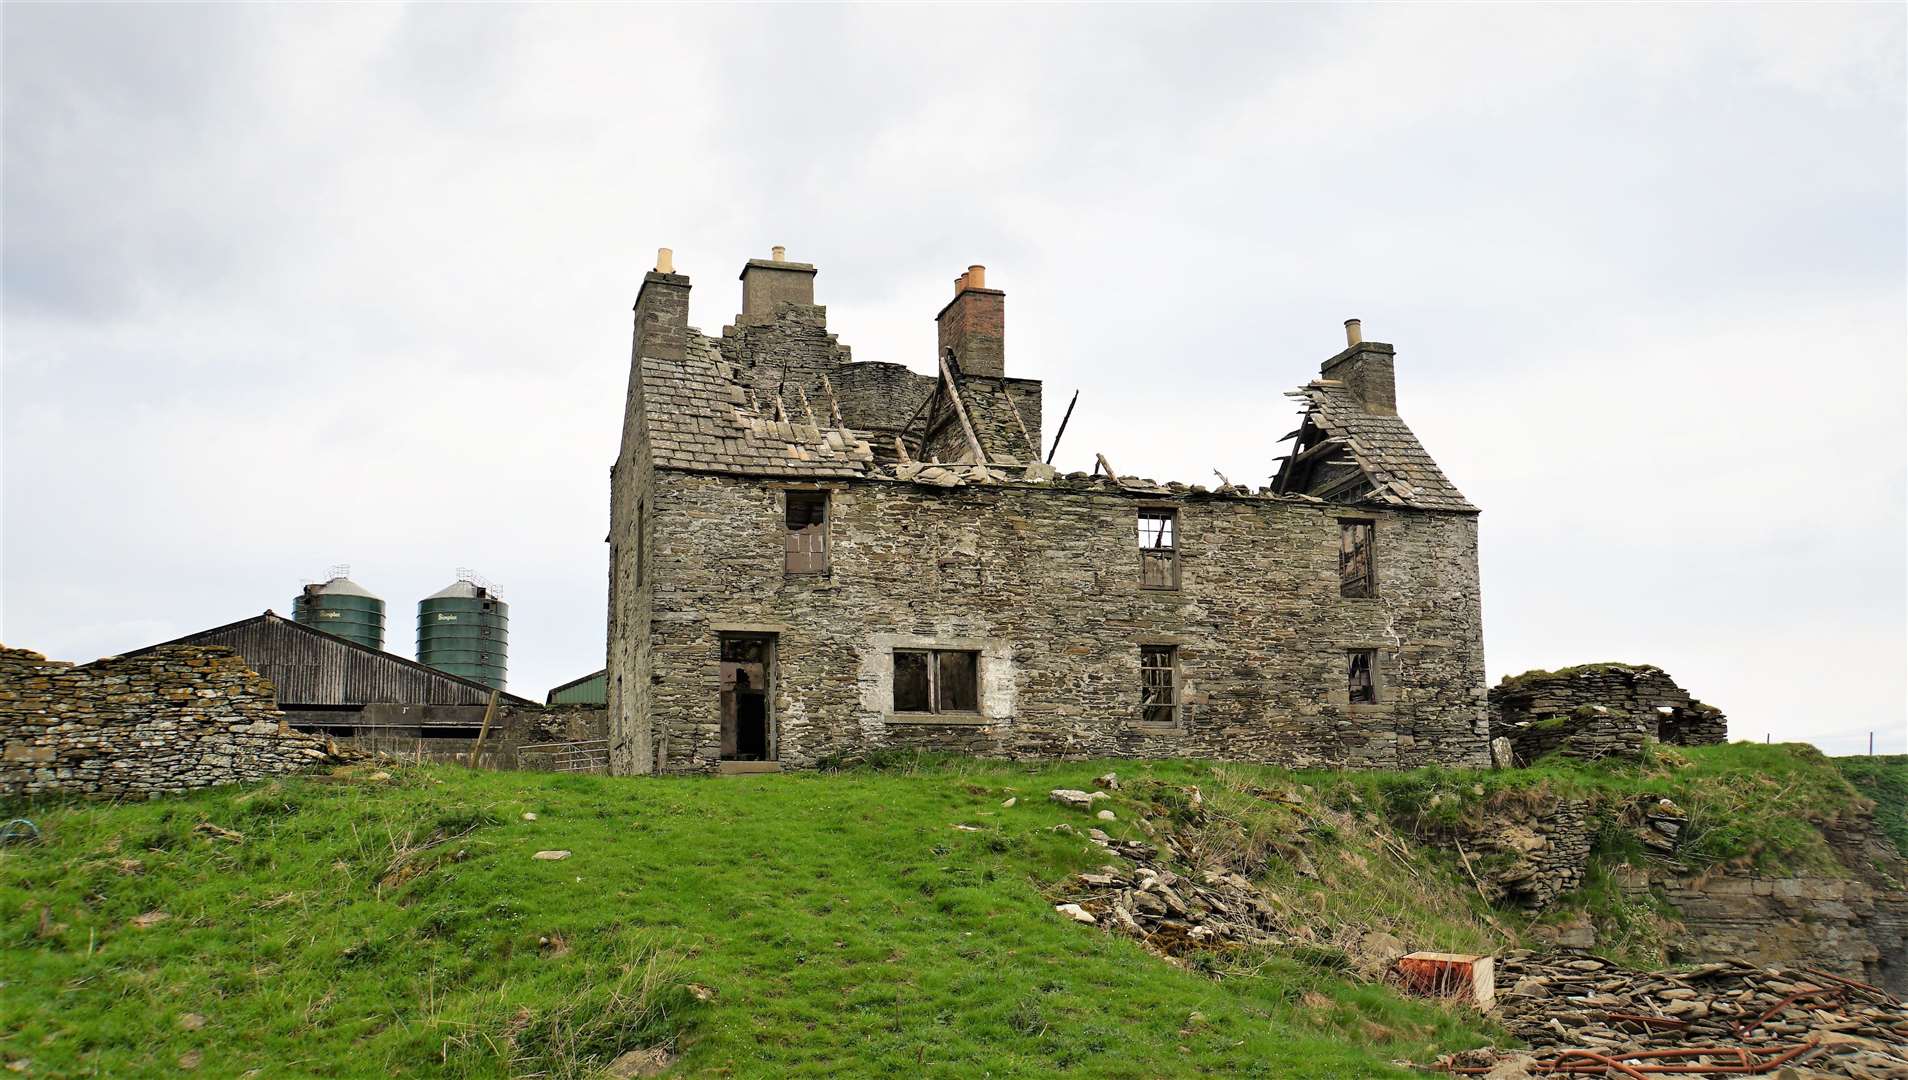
489,711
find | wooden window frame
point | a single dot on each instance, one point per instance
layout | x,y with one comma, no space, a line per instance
1368,686
1147,554
1150,709
1366,586
791,556
934,681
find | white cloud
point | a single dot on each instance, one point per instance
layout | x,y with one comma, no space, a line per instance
289,286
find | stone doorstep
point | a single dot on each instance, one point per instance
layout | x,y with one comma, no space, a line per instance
747,768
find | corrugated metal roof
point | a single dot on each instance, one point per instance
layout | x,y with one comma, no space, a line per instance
591,689
310,667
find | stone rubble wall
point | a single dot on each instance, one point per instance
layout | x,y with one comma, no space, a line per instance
1042,582
1532,854
174,718
1599,710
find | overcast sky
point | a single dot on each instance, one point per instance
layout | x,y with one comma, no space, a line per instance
292,286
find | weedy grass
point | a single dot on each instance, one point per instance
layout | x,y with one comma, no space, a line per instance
1883,779
1751,805
818,924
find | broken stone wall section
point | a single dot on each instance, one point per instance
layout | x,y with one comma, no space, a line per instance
173,718
1599,710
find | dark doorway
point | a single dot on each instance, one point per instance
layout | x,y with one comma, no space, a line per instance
748,667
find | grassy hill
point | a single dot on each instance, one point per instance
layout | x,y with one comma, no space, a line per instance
799,925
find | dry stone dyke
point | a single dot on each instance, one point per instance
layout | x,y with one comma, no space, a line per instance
174,718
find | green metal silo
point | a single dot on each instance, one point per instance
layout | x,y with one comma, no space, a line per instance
341,607
465,630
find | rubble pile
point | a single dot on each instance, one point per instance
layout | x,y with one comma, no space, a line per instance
1170,912
1581,1013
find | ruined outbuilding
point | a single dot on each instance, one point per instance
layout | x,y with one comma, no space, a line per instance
1599,710
813,557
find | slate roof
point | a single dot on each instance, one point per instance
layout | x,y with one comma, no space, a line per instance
1384,448
702,419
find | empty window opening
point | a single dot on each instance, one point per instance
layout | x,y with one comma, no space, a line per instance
1356,575
748,666
1358,676
1159,684
1159,549
642,523
936,681
806,516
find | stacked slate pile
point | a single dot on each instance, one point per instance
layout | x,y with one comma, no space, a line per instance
1580,1013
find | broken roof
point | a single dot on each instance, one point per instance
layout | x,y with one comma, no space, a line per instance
1395,465
703,418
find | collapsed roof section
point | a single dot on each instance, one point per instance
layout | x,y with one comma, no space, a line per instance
777,396
1347,454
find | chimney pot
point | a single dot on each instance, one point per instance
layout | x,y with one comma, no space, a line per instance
665,261
1354,332
976,277
778,253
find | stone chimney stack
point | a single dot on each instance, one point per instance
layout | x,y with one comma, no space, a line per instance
974,325
662,311
1365,369
769,283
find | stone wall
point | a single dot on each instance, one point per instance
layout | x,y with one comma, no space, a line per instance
881,399
792,349
1846,926
1005,414
1532,852
1599,710
177,717
1042,583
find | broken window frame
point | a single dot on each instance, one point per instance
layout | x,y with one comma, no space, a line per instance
1159,551
805,548
937,692
1361,676
1157,710
1356,581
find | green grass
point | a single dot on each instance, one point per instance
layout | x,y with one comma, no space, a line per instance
1883,779
808,924
1750,805
795,925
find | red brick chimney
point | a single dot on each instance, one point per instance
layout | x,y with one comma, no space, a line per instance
974,325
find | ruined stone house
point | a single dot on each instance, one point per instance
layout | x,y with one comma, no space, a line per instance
812,558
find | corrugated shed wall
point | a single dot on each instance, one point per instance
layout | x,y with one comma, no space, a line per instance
310,668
